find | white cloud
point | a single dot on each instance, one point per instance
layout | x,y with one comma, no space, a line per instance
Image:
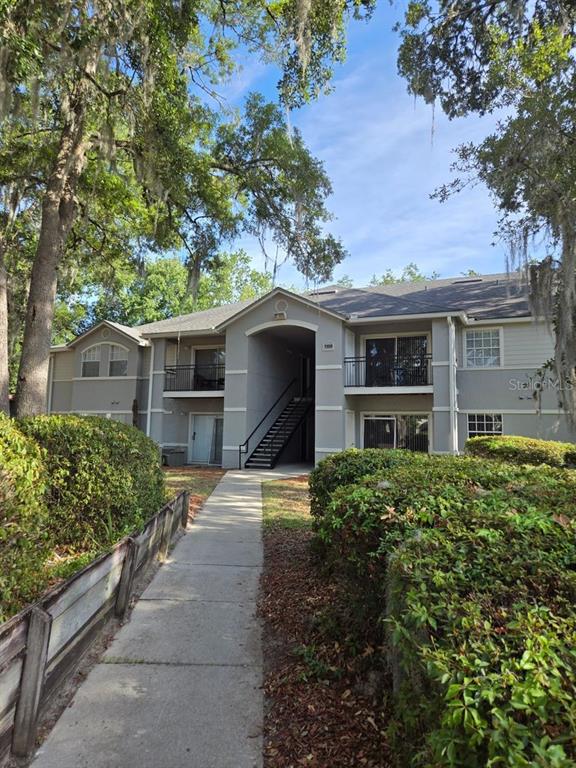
385,155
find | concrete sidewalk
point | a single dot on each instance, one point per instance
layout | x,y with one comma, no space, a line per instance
180,686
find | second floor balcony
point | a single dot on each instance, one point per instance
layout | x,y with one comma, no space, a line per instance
194,379
398,373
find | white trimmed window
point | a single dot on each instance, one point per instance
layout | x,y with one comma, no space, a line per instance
91,362
484,424
483,348
118,365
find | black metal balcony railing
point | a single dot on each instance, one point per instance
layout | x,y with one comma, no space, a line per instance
194,378
402,371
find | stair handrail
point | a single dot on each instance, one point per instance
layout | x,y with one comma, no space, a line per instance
283,431
243,447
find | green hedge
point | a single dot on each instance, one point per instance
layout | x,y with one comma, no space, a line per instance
350,466
468,570
23,515
522,450
104,478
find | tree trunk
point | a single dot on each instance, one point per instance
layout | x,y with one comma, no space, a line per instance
565,319
4,367
58,210
194,271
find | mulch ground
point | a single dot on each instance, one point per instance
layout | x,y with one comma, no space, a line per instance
323,708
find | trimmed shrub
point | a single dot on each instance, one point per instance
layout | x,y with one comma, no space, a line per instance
23,515
349,467
104,478
465,571
522,450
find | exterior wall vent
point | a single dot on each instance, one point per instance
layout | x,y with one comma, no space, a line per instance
280,308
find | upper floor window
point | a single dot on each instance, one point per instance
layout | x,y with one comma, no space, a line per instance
91,361
483,349
118,365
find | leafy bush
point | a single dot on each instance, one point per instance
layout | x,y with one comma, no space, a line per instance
522,450
23,515
104,478
467,569
349,467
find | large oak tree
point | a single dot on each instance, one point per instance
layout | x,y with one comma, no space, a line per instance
123,93
514,58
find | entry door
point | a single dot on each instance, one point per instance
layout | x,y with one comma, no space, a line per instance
205,443
379,432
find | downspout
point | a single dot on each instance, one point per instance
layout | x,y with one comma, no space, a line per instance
150,389
50,383
453,444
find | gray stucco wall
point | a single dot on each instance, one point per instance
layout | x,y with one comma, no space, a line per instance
102,395
529,404
263,365
169,417
259,364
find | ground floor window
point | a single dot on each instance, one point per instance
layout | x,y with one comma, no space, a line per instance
408,431
484,424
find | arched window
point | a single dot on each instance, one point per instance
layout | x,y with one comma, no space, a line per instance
91,361
118,361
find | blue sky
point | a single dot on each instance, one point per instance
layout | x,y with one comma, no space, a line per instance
385,153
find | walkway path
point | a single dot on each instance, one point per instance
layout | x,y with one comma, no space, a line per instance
180,686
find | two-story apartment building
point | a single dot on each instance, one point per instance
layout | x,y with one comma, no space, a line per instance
418,365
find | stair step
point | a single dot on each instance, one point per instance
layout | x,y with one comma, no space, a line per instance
266,453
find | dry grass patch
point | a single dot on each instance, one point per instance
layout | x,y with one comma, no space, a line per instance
200,481
286,503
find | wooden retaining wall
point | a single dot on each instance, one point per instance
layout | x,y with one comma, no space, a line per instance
41,646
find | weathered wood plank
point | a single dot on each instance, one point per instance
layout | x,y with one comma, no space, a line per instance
166,534
185,507
9,685
64,664
83,582
143,541
13,638
6,725
26,719
71,621
126,579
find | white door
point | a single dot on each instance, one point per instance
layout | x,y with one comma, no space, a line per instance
205,441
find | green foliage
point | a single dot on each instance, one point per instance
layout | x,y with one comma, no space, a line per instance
104,478
466,571
161,290
522,450
117,107
517,57
349,467
23,517
411,273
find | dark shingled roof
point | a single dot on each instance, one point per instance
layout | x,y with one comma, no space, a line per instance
203,321
483,297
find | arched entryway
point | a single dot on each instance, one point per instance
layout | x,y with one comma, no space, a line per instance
280,394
